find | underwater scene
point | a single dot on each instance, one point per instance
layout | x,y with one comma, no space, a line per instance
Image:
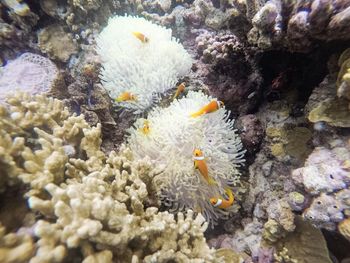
175,131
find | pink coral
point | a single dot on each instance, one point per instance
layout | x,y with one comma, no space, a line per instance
30,73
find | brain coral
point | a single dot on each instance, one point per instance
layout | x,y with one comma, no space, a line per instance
170,143
144,69
31,73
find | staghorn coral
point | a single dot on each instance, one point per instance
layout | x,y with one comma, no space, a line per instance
297,25
30,73
170,143
147,70
93,206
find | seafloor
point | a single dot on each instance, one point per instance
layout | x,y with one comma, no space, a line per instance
101,161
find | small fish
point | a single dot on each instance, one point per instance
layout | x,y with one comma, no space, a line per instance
140,36
200,164
125,96
222,202
179,90
212,106
145,128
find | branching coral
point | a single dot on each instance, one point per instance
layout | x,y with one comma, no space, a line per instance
90,205
170,143
31,73
146,68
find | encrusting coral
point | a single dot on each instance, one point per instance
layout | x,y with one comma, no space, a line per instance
92,206
172,138
56,43
325,179
140,58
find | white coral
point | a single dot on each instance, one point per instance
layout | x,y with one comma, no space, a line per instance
173,137
144,69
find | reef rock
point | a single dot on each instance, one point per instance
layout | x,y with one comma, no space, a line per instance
58,44
298,25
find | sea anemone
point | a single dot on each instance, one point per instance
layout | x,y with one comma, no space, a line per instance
172,137
146,69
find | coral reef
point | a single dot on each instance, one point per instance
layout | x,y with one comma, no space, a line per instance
326,178
91,205
56,43
343,80
172,138
297,25
15,247
30,73
145,68
227,66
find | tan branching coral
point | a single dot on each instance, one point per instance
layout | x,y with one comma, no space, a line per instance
15,247
90,204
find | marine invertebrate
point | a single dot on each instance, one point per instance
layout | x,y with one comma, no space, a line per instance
170,144
92,205
147,70
30,73
326,180
297,25
57,43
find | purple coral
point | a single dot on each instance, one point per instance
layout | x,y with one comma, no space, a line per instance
30,73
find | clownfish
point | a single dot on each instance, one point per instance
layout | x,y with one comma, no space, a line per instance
222,202
145,128
212,106
179,90
140,36
200,164
125,96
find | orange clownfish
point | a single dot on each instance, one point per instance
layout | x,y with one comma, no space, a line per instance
200,164
140,36
222,202
145,128
212,106
125,96
179,90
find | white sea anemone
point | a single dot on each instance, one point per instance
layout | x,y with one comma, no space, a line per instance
170,143
144,69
